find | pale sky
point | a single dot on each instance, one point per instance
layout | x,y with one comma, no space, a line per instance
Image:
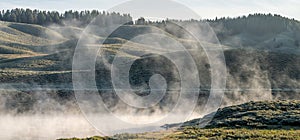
205,8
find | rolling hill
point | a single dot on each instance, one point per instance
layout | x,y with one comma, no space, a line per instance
260,65
262,55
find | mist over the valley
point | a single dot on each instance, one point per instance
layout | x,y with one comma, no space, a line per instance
36,92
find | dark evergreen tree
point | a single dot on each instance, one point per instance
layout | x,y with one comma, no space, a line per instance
41,18
53,17
141,21
6,15
49,19
13,17
297,44
23,16
29,16
56,17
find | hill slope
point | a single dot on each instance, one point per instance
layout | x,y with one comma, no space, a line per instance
257,68
252,120
258,115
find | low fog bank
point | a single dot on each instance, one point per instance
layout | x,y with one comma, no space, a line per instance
37,126
42,114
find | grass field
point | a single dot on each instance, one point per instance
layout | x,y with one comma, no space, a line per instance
193,133
222,133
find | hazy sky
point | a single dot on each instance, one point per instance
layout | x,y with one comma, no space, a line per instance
205,8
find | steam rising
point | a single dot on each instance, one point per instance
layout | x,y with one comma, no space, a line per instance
38,112
37,126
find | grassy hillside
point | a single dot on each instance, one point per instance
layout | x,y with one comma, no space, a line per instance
256,115
43,56
252,120
262,61
37,31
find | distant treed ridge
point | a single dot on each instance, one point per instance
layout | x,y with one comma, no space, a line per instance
53,17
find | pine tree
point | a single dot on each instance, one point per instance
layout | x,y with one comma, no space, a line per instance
28,16
141,21
56,18
1,16
23,16
34,16
49,17
13,17
297,44
41,18
6,16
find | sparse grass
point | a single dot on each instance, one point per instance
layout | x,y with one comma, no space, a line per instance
36,30
222,133
144,136
13,56
27,76
207,134
11,50
27,34
91,138
22,38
